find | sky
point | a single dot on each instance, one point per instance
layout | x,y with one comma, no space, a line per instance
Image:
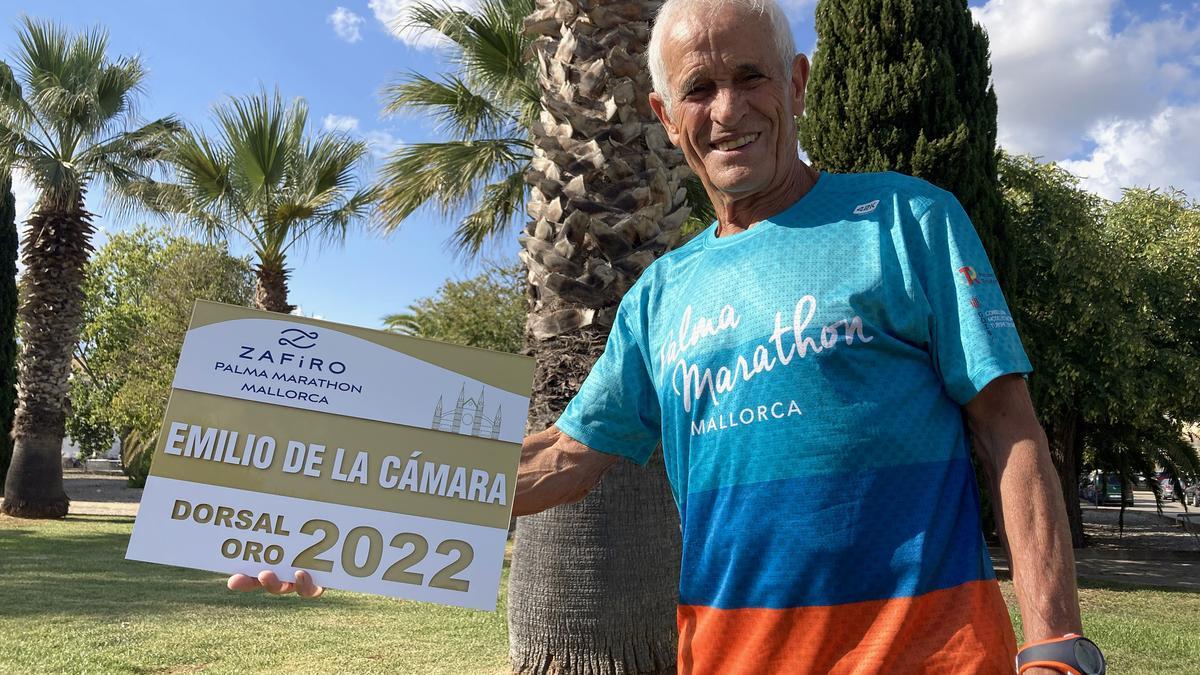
1108,88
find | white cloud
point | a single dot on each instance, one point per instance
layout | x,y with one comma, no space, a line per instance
1060,69
340,123
378,141
381,143
346,24
393,14
26,194
1162,151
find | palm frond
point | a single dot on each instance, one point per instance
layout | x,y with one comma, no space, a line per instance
43,53
261,135
458,110
494,49
137,147
330,225
446,174
402,323
329,167
489,44
114,89
495,213
13,108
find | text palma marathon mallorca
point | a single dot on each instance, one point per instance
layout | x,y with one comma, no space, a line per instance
317,379
398,472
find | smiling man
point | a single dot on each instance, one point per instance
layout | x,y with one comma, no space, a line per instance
814,364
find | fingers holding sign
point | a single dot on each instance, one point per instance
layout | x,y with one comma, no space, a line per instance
270,582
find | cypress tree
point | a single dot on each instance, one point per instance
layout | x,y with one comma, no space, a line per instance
903,85
8,318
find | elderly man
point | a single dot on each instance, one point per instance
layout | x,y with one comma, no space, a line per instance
812,364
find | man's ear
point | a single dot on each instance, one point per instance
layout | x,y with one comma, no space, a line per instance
799,82
659,106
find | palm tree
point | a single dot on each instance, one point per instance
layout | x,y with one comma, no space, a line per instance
261,178
563,125
8,317
593,585
486,108
64,121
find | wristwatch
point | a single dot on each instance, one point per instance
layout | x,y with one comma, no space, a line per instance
1071,653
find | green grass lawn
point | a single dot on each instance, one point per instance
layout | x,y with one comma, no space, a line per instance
69,602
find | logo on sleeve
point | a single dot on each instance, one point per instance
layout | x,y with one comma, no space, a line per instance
972,278
863,209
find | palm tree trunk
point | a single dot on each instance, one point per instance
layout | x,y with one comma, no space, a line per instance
56,248
593,586
8,319
270,289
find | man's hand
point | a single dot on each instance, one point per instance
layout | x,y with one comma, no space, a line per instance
556,469
269,581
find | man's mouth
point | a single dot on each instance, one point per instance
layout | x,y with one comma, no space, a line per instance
735,143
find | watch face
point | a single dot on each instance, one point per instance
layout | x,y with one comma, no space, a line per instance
1088,656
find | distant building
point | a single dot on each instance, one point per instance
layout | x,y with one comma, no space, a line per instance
467,417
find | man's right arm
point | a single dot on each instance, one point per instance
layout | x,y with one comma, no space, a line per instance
556,469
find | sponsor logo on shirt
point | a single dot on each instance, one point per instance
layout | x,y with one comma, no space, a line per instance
863,209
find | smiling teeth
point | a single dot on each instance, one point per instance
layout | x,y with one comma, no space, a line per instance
737,142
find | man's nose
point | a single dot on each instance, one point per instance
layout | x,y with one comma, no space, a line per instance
728,106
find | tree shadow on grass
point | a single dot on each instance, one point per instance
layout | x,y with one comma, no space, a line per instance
50,569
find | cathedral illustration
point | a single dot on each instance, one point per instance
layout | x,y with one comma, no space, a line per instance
467,417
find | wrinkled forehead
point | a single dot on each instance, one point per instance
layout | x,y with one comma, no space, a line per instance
709,42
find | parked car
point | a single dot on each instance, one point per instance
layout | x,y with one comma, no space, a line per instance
1167,490
1191,494
1108,488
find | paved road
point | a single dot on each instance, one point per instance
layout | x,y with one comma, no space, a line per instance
1143,502
1173,574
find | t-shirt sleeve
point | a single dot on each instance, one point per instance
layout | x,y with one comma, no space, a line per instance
973,337
616,410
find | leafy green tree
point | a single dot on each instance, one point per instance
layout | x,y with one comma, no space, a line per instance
66,121
8,317
140,288
1157,235
1065,303
262,178
485,311
1105,299
904,86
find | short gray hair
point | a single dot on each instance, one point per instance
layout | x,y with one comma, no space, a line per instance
671,10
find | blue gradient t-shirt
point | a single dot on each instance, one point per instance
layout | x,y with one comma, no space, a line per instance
806,379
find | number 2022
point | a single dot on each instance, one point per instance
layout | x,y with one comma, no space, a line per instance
399,570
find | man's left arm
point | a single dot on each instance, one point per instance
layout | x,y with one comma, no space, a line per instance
1027,500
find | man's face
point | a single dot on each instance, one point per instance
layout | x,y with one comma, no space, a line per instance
733,105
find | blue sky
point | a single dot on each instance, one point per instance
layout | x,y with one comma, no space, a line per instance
1111,88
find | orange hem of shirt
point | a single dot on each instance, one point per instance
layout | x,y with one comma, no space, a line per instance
964,629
